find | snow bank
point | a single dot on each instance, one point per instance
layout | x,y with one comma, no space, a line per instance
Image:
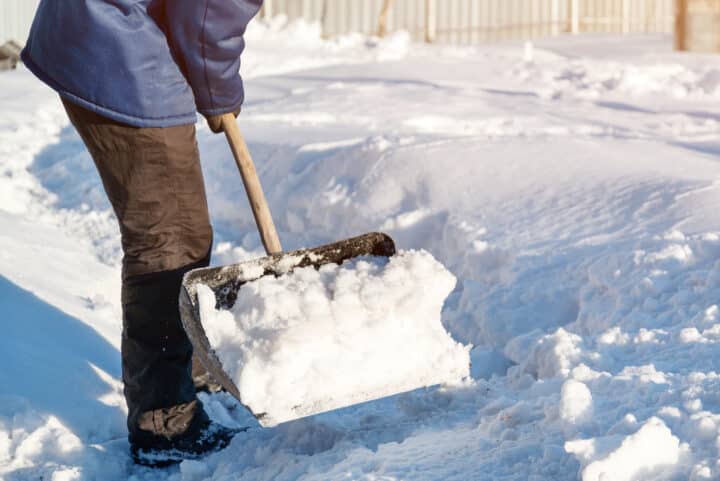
314,340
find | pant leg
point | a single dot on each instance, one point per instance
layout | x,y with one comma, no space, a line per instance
153,179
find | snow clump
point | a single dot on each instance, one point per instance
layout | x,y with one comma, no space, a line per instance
314,340
642,455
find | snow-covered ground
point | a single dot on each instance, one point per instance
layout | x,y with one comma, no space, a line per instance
572,187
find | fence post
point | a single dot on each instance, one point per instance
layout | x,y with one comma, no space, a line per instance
382,20
575,16
681,10
555,17
267,9
324,19
305,10
430,20
625,16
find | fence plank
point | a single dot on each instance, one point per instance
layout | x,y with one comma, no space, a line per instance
575,16
430,20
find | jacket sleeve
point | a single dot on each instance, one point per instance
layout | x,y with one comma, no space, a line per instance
206,37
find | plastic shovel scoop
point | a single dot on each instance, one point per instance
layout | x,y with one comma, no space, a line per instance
226,282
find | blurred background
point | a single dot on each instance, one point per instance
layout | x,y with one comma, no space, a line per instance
695,23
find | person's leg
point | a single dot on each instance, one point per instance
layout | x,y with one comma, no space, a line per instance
153,179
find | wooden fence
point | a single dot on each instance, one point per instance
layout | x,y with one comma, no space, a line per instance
455,21
477,21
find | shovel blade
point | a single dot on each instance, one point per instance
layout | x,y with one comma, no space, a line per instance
226,281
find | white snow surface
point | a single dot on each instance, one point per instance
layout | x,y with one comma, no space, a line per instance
315,340
572,188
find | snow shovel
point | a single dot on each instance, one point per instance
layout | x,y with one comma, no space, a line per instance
226,281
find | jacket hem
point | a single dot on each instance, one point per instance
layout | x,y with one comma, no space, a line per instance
135,121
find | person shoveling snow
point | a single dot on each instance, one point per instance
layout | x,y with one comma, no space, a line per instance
131,77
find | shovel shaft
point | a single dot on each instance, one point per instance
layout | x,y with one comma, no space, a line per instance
255,194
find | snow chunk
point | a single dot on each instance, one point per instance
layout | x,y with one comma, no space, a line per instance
690,334
645,374
639,456
549,355
614,335
71,474
575,402
672,255
711,313
314,340
704,426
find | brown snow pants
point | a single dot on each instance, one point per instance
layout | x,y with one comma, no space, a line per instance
153,179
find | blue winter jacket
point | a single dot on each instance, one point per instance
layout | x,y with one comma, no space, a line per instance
147,63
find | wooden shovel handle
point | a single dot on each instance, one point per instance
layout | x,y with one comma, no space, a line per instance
255,194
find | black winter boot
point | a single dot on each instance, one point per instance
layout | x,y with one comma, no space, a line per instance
201,438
